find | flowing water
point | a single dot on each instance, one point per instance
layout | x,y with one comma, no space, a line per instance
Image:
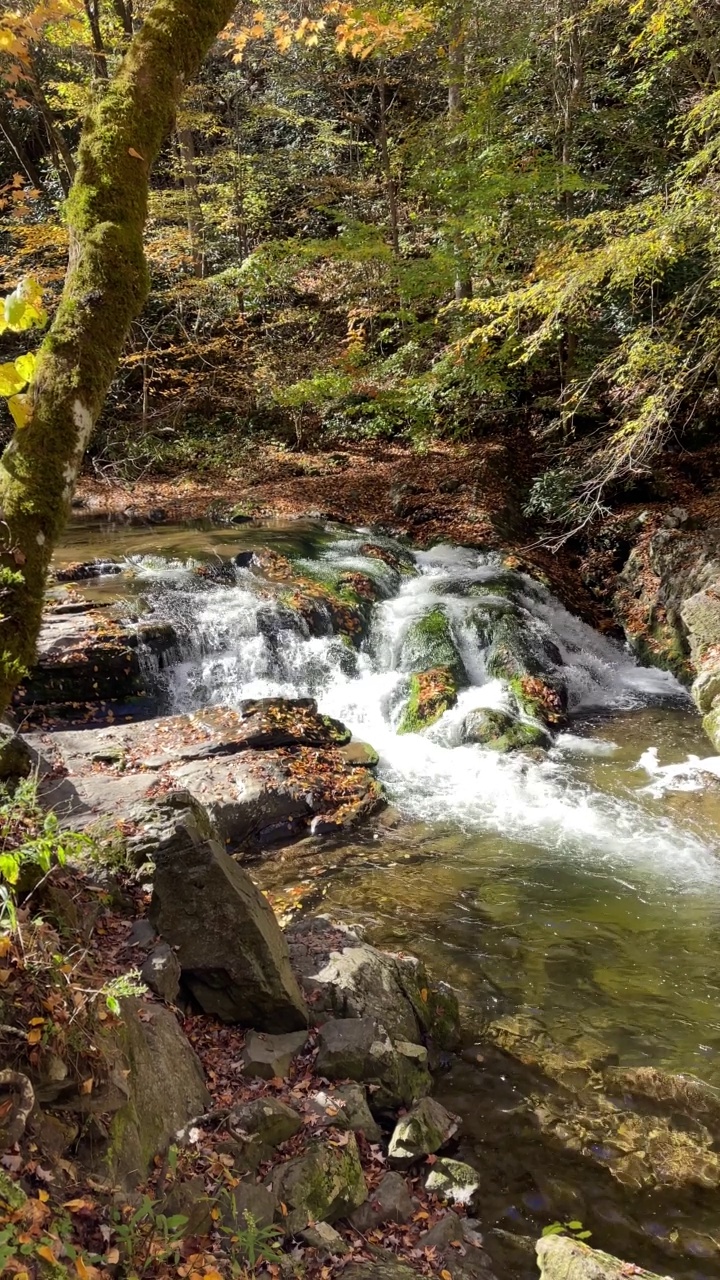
583,887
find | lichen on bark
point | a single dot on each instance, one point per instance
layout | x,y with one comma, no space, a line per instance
105,289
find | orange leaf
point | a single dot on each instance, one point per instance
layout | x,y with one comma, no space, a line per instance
43,1195
34,1036
46,1254
112,1256
445,1275
37,1022
135,154
424,995
82,1270
76,1205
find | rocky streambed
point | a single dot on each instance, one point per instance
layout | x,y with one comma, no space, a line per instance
428,746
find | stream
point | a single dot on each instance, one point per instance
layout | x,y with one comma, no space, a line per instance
580,887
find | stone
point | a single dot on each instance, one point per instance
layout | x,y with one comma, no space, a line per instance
164,1083
460,1246
232,953
16,758
268,1120
360,753
360,1049
328,1242
706,687
389,1202
503,732
453,1180
161,973
249,1198
266,1057
142,934
323,1185
561,1258
189,1200
385,1266
447,1230
345,1107
424,1130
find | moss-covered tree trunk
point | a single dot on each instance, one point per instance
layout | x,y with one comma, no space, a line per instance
105,289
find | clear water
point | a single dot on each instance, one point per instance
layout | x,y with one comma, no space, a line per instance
584,887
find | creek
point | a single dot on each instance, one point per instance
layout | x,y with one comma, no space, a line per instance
580,886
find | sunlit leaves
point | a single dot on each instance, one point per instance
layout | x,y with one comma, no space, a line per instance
384,30
23,308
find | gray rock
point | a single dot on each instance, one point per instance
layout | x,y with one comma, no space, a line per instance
161,973
266,1057
359,1049
345,1107
189,1199
323,1185
390,1202
328,1242
460,1247
142,934
385,1266
561,1258
16,758
232,953
448,1230
424,1130
268,1120
453,1180
249,1198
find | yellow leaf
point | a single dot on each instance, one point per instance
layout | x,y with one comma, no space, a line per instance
112,1256
19,407
37,1022
214,1214
4,976
46,1254
5,944
43,1195
87,1085
445,1275
75,1205
212,1275
34,1036
81,1269
424,995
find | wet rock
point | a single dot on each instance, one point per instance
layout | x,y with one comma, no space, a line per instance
503,732
345,1107
142,934
389,1202
360,753
430,694
460,1248
323,1185
268,1057
351,979
16,758
453,1180
249,1198
83,570
268,1120
436,670
359,1049
161,973
328,1242
232,953
423,1131
561,1258
682,1094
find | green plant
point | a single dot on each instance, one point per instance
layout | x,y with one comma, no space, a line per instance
574,1229
32,843
148,1236
126,984
255,1244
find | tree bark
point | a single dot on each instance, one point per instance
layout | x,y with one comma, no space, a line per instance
124,11
193,207
105,289
92,9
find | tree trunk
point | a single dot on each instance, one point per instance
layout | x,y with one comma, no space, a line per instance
92,9
124,11
193,208
105,289
386,166
456,87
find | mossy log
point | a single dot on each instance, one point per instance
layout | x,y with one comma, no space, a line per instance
105,289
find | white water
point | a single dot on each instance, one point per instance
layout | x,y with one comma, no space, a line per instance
238,649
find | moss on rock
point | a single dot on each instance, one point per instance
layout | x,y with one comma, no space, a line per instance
432,693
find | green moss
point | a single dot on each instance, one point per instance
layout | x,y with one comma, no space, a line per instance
429,644
432,693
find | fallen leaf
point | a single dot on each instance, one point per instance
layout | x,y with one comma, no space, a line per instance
47,1255
135,154
34,1036
112,1256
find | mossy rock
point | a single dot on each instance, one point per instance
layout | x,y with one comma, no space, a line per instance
503,733
711,725
16,760
432,693
429,643
323,1185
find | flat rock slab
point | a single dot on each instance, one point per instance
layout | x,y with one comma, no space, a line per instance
270,1057
265,772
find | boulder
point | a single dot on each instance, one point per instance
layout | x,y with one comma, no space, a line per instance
389,1202
161,973
249,1198
345,1107
268,1057
453,1180
328,1242
385,1266
324,1184
503,732
430,694
164,1088
189,1200
561,1258
424,1130
460,1247
268,1120
232,953
430,656
360,1049
16,758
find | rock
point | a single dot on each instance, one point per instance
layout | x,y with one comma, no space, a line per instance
249,1198
360,753
447,1230
189,1200
16,758
436,670
164,1084
385,1266
359,1049
423,1131
82,570
453,1180
460,1246
389,1202
683,1094
430,694
328,1242
345,1107
161,973
232,953
349,978
53,1134
561,1258
323,1185
268,1120
266,1057
503,732
142,934
265,772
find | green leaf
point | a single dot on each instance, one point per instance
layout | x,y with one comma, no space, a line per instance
113,1005
583,1235
555,1229
11,381
574,1226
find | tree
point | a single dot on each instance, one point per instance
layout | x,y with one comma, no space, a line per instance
105,289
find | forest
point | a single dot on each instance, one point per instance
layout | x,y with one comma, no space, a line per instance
359,639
